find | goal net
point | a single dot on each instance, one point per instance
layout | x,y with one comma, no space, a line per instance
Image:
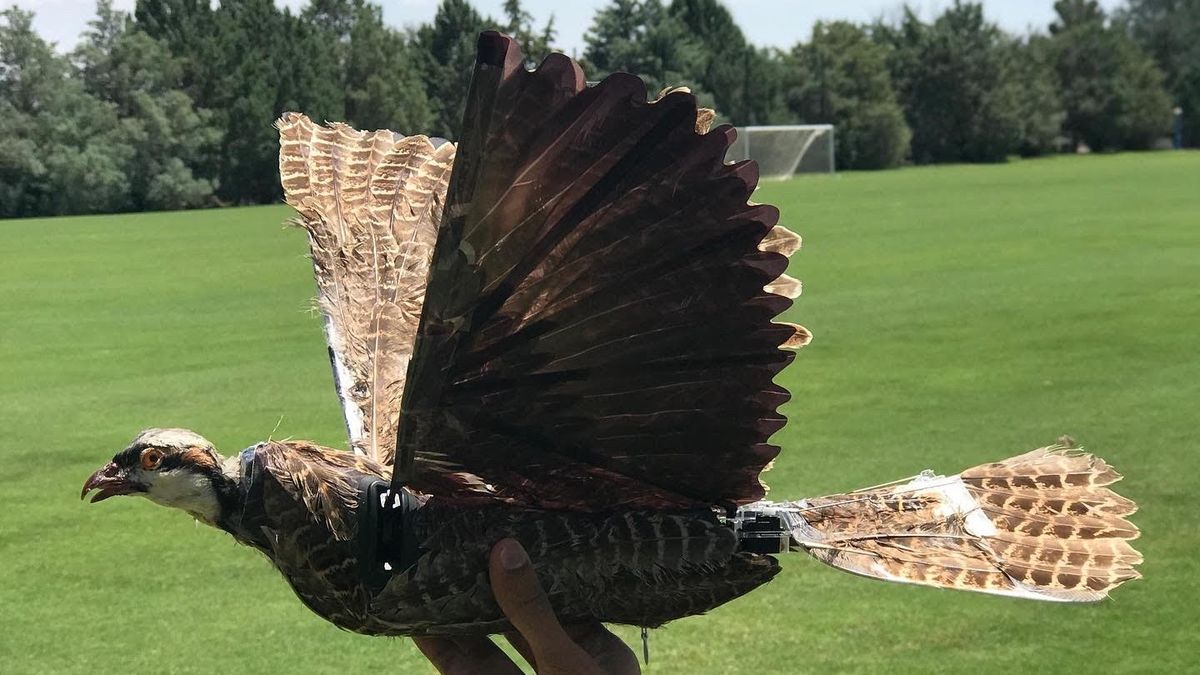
782,151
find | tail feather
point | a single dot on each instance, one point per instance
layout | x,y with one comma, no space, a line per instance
1063,527
1099,502
1050,467
1040,525
1076,551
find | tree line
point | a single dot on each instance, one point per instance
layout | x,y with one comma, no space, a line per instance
171,106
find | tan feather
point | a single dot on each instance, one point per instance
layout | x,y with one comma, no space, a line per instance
785,286
801,336
371,203
782,241
785,242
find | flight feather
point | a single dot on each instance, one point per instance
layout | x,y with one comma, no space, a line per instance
598,329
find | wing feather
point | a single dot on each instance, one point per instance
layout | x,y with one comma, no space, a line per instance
598,330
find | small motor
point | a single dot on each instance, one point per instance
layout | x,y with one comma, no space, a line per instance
761,529
387,544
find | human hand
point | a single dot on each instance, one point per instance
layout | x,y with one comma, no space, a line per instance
546,644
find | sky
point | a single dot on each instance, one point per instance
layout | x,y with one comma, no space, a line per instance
774,23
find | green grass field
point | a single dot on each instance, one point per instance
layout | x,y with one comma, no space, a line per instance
961,314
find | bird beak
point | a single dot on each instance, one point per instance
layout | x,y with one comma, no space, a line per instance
111,482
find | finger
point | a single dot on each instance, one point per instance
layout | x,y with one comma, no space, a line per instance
465,656
523,601
609,651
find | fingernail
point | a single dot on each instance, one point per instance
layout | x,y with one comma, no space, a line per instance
512,556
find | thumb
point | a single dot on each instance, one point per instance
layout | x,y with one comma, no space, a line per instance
523,601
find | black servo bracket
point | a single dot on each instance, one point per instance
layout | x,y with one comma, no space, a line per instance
387,544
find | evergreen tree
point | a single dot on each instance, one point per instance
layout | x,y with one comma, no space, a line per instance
188,30
844,81
641,37
535,44
371,67
253,33
447,50
311,66
383,77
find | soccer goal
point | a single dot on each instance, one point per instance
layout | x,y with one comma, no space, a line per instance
785,150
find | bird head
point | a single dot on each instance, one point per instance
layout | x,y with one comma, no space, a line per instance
171,467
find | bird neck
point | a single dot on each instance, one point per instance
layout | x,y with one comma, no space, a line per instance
238,488
226,481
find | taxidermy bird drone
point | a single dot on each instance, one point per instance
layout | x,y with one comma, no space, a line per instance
562,331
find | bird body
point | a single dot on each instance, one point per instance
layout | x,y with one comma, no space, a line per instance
562,330
634,567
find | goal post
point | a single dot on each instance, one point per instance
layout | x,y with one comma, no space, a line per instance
785,150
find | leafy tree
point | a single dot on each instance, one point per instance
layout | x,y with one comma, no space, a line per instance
63,152
1112,90
844,81
957,84
1169,30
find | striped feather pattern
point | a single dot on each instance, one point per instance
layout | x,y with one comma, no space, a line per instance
371,203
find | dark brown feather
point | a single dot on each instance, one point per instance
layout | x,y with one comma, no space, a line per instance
596,333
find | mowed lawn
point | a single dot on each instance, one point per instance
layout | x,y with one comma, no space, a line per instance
961,314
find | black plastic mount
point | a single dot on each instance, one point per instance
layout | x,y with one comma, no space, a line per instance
387,544
761,533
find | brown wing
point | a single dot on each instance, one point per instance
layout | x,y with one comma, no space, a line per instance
596,330
371,203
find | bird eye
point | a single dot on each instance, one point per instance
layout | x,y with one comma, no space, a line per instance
151,458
